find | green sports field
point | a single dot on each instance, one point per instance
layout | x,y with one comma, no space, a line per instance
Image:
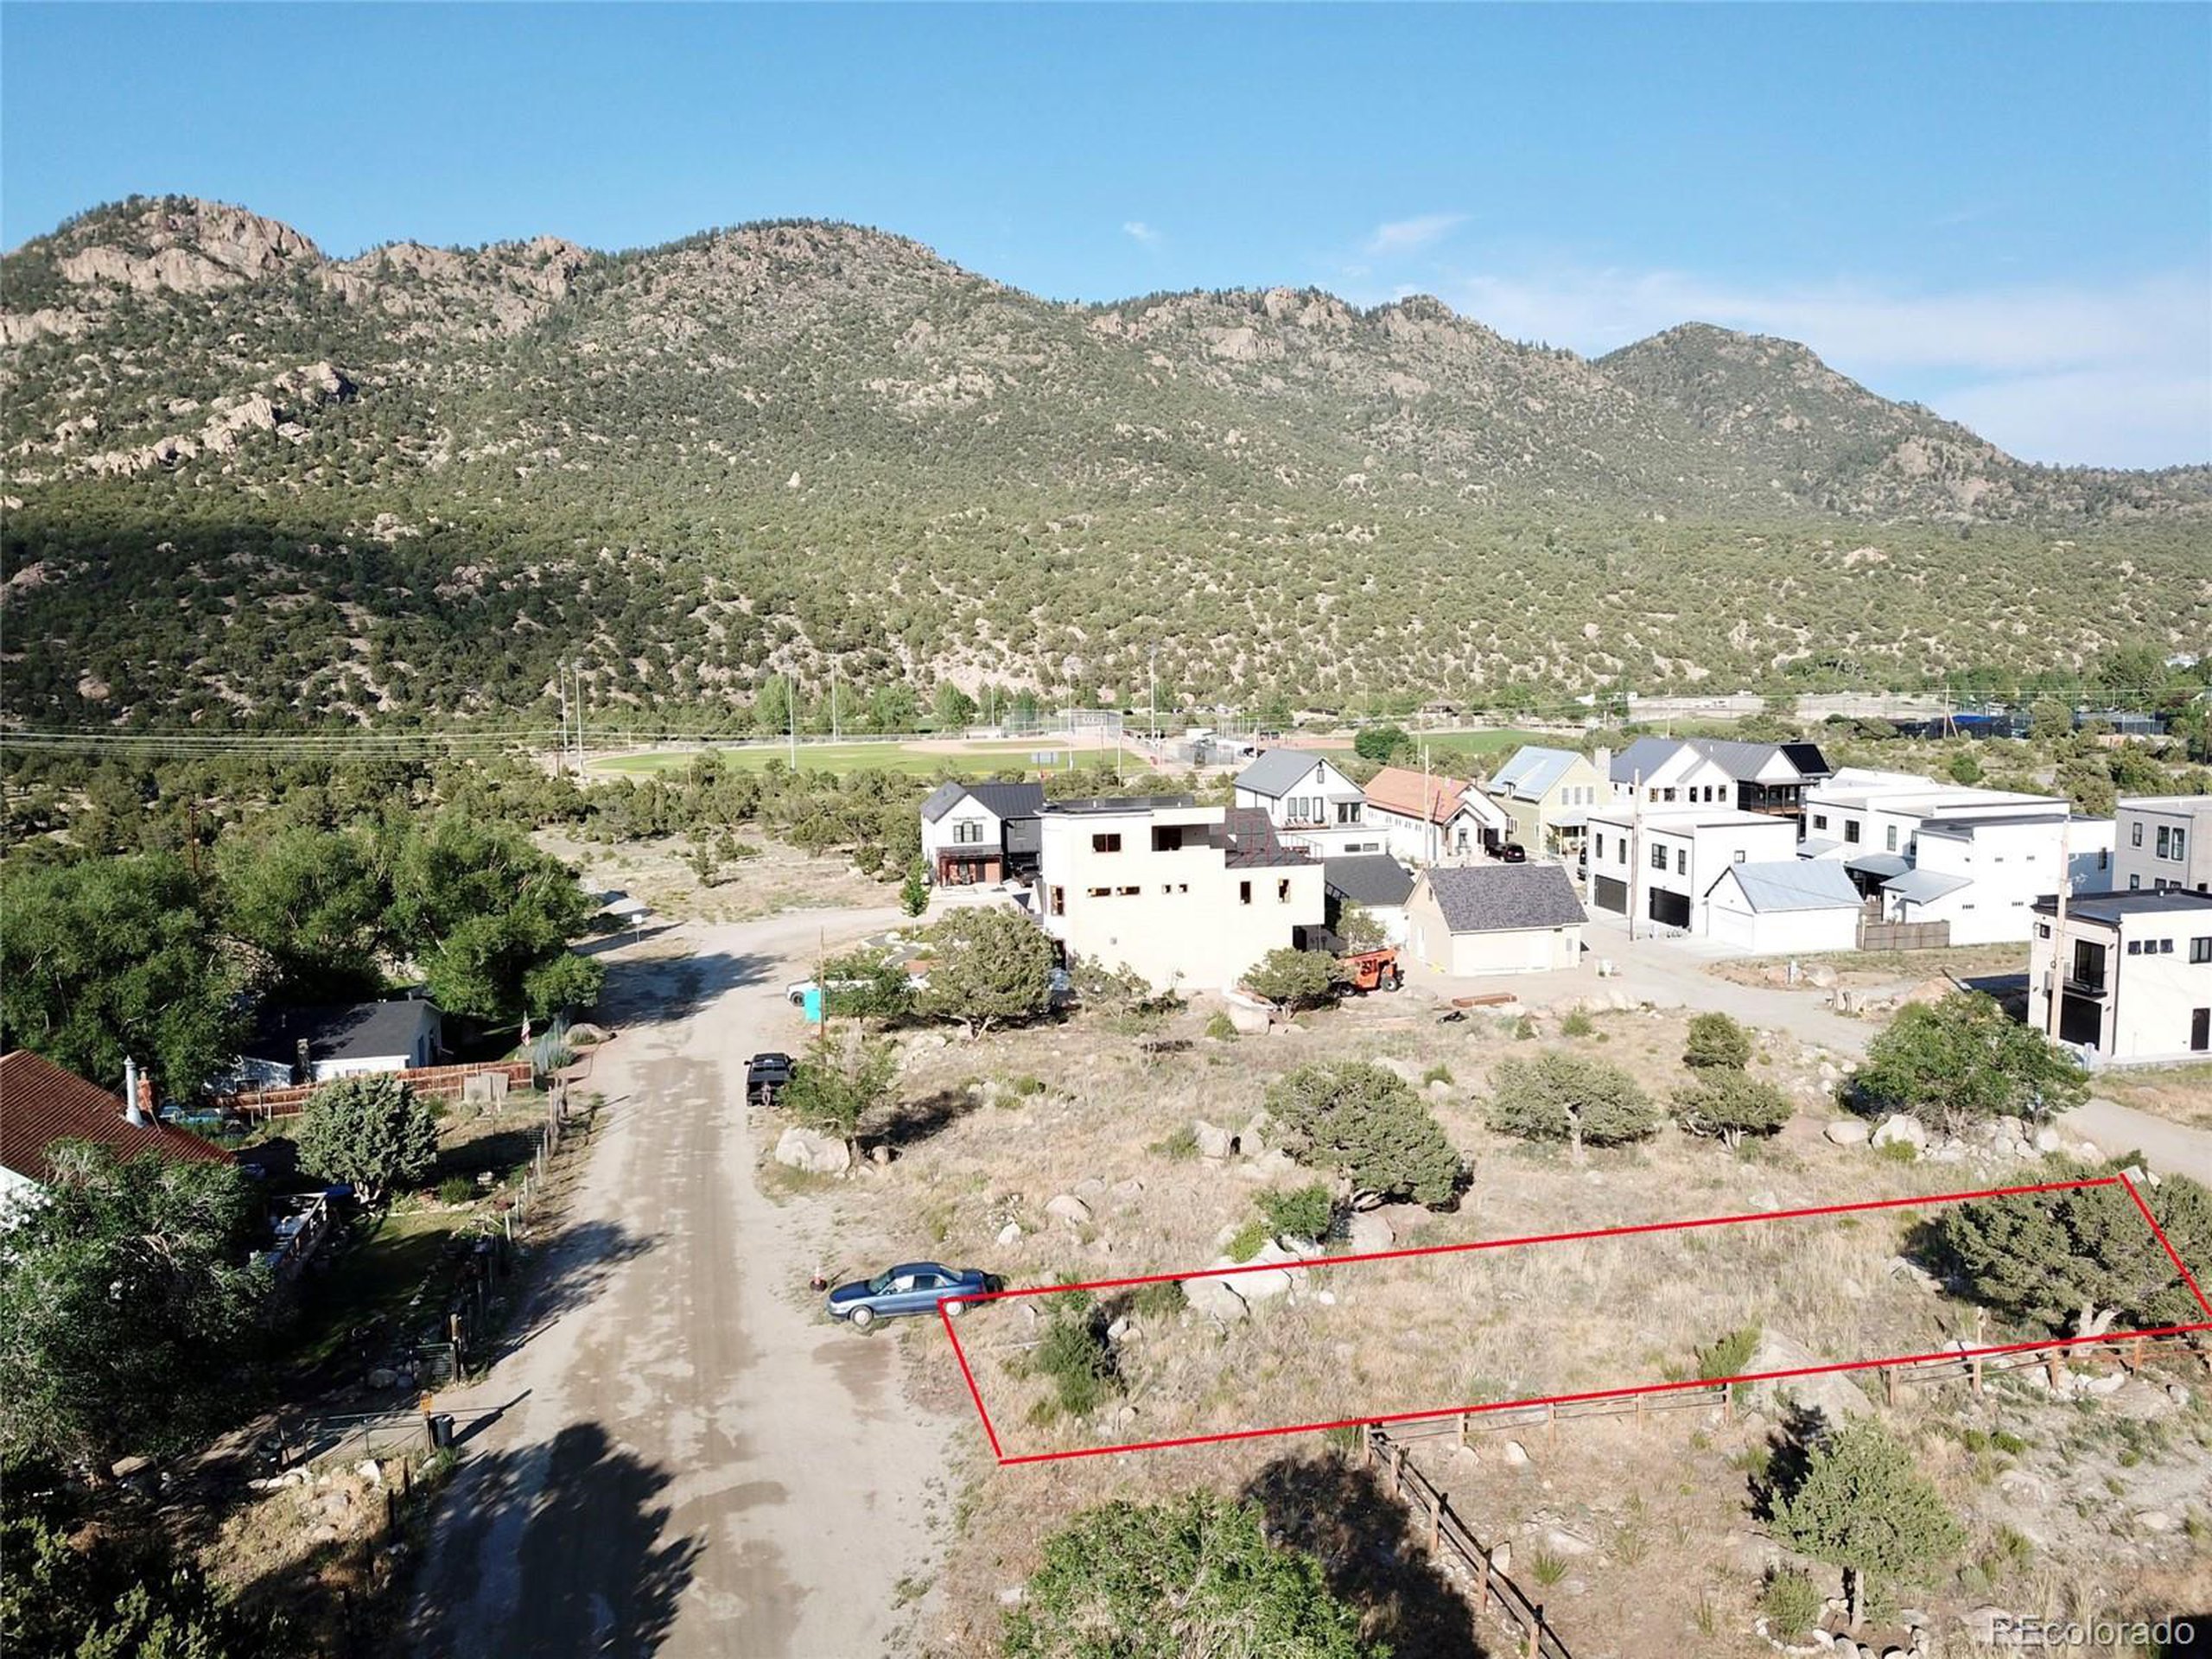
970,759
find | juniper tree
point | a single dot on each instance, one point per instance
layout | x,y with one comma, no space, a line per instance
1562,1096
1862,1505
1369,1125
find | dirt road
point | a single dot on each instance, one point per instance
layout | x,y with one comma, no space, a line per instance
693,1463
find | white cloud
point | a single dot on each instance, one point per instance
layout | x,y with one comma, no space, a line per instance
1142,231
1400,236
2118,375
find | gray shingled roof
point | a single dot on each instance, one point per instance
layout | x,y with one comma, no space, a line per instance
1275,773
1367,879
357,1031
1495,898
1793,884
1003,800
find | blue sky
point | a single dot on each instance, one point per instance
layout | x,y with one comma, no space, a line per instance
2003,212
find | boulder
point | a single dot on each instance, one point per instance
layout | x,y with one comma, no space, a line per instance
2047,1138
1847,1132
1406,1070
1129,1190
1216,1299
1833,1395
1820,976
1515,1454
1068,1209
1009,1233
812,1154
1561,1541
1213,1141
1368,1232
1897,1127
1248,1015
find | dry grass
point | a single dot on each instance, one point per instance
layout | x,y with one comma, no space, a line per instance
1876,969
1675,1555
2182,1093
777,878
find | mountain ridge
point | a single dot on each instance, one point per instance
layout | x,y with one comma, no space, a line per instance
302,480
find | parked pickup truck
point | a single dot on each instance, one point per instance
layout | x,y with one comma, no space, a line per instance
766,1076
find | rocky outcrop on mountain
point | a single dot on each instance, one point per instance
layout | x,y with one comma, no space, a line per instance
188,247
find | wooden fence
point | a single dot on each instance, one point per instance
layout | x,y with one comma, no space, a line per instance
1904,935
1451,1539
444,1081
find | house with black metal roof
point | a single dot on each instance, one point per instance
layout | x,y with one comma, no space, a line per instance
980,832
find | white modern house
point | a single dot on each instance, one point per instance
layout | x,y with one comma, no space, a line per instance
2132,971
1658,865
2163,841
1427,818
1784,907
1977,859
1471,920
1188,897
1310,802
1983,874
966,829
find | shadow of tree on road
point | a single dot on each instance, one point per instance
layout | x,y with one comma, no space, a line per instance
657,990
588,1526
575,1268
1341,1515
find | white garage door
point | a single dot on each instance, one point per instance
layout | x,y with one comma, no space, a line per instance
1739,928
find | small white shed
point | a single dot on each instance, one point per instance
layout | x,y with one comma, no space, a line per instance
1784,907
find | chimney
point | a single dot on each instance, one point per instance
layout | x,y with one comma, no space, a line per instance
133,1112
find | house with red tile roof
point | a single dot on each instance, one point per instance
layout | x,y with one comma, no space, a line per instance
41,1105
1428,818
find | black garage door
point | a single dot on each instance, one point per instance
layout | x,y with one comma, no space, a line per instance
1670,909
1611,894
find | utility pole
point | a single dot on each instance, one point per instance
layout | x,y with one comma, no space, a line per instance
1635,847
561,753
1152,678
2059,928
791,714
833,699
577,668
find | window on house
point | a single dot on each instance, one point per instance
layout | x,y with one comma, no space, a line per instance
1109,843
1681,861
1127,893
2135,947
968,832
1851,829
1059,901
1658,858
2104,859
1100,893
1601,844
1820,820
1347,811
2165,947
1667,794
2135,884
1282,893
2200,951
1890,839
2135,834
2163,841
1244,892
2042,929
1739,855
1168,838
2181,838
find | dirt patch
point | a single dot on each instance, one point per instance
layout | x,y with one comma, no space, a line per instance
1872,971
771,877
1657,1547
2181,1094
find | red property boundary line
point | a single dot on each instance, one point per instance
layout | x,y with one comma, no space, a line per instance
2158,1232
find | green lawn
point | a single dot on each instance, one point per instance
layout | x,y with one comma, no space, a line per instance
372,1279
1487,746
971,759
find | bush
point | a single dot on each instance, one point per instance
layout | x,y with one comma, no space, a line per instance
1370,1125
1576,1024
1561,1097
1792,1604
1247,1241
1158,1302
1221,1028
1728,1356
1438,1073
1196,1576
373,1133
1181,1145
1294,979
1731,1105
1074,1355
1308,1212
1963,1060
992,966
1716,1042
1380,743
457,1188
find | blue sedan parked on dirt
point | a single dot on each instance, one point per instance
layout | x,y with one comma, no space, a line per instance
911,1288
